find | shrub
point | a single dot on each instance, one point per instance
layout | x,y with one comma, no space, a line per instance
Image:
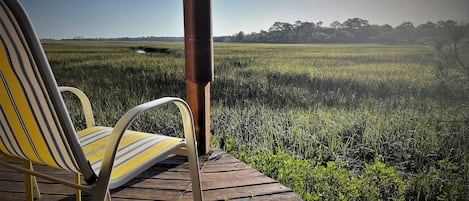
314,180
378,182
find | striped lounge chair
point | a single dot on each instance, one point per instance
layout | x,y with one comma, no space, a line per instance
35,125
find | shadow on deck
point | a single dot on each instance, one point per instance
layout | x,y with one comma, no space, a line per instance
223,178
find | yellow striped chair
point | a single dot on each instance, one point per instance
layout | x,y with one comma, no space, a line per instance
35,125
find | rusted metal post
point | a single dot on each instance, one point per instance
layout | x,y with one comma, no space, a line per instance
198,40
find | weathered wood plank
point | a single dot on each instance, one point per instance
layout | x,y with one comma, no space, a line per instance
161,184
214,177
11,186
221,159
11,176
13,196
225,167
44,197
242,192
283,196
147,194
166,175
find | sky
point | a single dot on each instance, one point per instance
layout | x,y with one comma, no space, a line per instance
59,19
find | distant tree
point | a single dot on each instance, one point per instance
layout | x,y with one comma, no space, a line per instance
353,24
368,33
353,30
78,38
303,30
239,37
426,31
319,24
336,25
427,26
386,34
319,37
342,36
282,32
447,23
451,47
281,26
406,32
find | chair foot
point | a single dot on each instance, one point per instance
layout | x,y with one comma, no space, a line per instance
36,192
195,176
30,183
78,191
108,196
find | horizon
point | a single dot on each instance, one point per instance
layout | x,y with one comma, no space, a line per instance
55,19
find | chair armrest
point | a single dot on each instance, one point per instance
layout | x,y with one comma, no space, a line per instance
124,122
85,103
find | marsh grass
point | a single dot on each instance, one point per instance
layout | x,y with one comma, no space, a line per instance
311,116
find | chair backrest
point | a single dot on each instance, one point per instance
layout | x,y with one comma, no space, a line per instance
34,122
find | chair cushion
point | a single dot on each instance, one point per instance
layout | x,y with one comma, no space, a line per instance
137,151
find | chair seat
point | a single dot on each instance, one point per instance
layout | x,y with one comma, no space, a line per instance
137,151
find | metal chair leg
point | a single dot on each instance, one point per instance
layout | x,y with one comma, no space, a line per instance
28,181
78,191
195,176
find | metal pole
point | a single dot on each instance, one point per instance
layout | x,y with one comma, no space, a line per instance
198,44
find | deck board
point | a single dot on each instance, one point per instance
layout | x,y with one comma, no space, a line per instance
223,178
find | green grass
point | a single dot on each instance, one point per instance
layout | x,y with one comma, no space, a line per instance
333,122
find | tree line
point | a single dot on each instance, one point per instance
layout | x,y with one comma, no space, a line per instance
353,30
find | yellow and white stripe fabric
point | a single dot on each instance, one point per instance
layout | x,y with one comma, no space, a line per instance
29,125
137,151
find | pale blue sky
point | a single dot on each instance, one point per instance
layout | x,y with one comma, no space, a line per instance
134,18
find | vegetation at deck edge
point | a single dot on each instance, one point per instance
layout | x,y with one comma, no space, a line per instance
333,122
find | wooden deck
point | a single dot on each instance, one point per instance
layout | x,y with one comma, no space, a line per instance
223,178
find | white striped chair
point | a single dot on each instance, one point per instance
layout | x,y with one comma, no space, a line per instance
35,125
